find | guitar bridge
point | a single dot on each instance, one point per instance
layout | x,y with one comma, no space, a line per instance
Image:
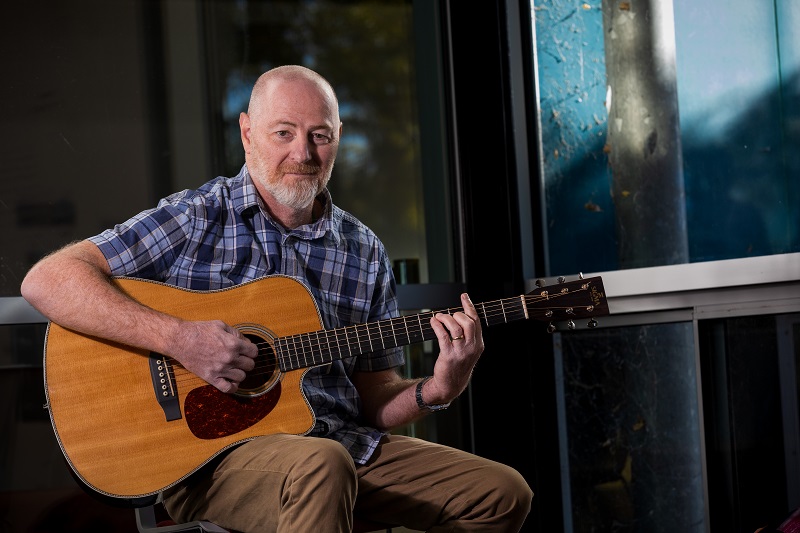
163,378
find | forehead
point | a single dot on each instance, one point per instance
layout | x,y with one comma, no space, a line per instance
300,102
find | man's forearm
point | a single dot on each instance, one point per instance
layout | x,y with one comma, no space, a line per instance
72,288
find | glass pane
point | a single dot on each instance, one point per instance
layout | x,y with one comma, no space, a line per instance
750,398
730,132
366,50
629,415
739,135
124,103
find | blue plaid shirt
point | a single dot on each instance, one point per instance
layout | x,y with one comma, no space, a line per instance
220,235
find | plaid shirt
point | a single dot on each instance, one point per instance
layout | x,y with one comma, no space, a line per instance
220,235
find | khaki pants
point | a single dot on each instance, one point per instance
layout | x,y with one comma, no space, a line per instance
287,483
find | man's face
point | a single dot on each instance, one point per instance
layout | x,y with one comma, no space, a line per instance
293,138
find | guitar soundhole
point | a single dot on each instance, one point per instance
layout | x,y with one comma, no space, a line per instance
266,373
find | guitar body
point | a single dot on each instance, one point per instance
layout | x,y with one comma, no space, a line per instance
103,401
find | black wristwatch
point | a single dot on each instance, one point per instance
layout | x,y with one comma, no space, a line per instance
421,403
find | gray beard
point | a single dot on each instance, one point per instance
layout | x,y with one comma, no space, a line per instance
298,196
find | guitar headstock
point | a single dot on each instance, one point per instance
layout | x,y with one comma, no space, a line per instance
567,301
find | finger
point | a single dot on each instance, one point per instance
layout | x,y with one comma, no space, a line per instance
245,363
441,330
469,308
224,385
248,349
454,329
235,375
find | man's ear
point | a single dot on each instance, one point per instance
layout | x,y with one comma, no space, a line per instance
244,128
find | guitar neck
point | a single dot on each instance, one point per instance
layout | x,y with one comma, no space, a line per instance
327,345
565,301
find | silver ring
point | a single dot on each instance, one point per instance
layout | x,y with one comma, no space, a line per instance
456,338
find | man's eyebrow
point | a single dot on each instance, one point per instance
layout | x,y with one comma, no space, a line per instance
289,123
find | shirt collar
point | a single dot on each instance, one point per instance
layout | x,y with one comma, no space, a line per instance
247,197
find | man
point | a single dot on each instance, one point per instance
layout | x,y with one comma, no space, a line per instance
277,217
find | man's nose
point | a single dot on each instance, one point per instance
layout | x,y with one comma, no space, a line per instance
302,148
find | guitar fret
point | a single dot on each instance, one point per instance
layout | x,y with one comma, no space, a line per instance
524,306
294,353
330,346
503,307
347,338
358,337
369,337
383,344
394,335
308,343
279,353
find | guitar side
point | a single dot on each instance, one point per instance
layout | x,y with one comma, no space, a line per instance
103,405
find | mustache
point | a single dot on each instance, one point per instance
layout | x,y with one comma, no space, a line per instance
299,168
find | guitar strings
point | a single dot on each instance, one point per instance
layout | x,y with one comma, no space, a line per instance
304,351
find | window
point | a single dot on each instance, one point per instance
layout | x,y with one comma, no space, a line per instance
705,105
668,165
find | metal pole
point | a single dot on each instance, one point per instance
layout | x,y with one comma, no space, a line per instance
644,146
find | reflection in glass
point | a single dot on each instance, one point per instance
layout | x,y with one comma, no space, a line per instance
629,412
367,53
118,104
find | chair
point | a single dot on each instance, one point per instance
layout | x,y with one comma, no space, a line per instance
153,518
146,522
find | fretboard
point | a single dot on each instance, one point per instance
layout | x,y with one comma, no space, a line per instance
327,345
565,301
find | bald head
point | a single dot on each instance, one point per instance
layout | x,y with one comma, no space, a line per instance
260,97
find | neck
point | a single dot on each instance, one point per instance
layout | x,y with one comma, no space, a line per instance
289,217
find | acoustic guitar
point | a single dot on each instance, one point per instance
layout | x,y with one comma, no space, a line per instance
132,423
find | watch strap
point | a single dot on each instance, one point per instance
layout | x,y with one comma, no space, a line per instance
421,403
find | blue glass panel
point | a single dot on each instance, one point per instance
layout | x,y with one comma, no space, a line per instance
741,197
572,91
738,83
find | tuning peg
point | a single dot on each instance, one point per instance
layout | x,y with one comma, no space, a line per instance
540,283
561,279
592,323
551,328
580,275
571,324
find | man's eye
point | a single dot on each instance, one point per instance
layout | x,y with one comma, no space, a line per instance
320,138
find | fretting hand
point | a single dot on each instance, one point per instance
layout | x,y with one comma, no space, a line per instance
460,345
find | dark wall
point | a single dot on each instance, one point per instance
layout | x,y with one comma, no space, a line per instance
512,391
